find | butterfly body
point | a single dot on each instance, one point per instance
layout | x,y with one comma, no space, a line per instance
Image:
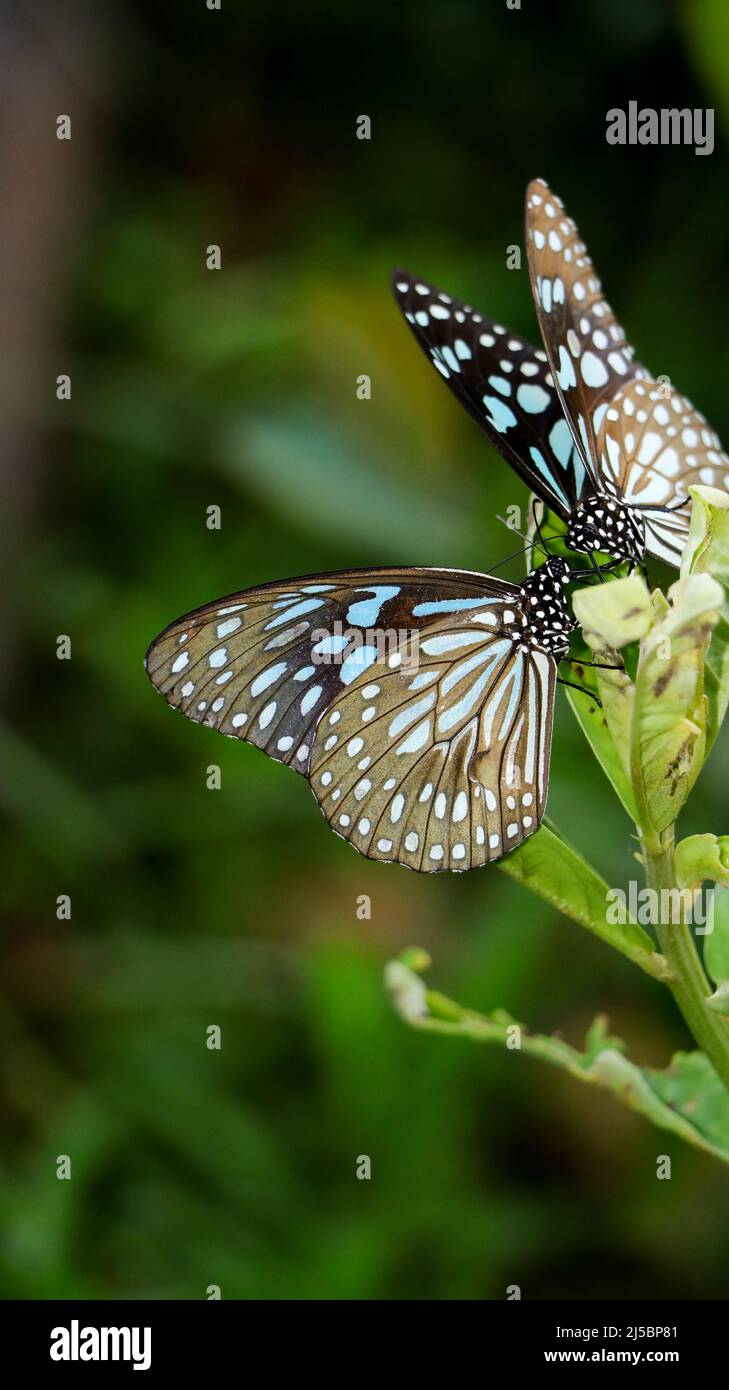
544,610
604,523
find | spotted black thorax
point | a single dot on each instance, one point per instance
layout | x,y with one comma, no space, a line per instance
546,618
608,525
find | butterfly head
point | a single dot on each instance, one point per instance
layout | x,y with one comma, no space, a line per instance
609,525
547,583
558,569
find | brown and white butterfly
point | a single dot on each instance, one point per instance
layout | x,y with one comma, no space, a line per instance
608,448
417,702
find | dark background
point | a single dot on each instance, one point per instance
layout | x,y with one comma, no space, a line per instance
237,388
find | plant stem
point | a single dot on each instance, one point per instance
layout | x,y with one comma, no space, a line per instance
601,1064
687,981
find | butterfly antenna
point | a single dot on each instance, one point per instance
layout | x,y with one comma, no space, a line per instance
530,540
538,526
522,551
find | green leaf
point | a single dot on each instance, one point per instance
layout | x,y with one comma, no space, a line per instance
615,614
612,616
687,1099
699,857
716,949
548,866
719,1000
690,1092
607,730
668,730
707,552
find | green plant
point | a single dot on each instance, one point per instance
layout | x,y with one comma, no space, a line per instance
652,735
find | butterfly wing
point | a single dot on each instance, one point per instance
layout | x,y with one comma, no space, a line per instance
654,446
504,383
588,352
448,766
430,748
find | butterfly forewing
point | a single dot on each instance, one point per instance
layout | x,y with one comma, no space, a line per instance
264,664
504,383
587,349
654,445
410,699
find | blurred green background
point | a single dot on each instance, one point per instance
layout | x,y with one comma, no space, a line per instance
237,388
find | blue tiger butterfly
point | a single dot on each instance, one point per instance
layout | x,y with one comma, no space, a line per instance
608,448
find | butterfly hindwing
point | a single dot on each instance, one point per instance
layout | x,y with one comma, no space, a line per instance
430,747
654,445
444,766
504,383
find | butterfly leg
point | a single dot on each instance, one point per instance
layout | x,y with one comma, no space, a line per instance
597,568
674,506
583,688
596,665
